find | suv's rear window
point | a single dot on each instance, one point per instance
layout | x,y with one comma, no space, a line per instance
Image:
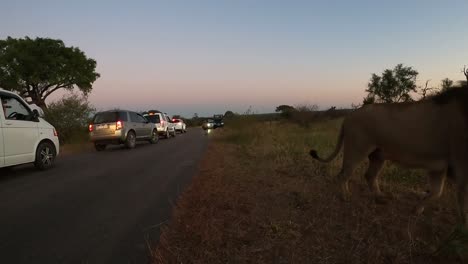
109,117
153,118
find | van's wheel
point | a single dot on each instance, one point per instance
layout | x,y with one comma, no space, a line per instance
99,147
154,137
130,141
45,156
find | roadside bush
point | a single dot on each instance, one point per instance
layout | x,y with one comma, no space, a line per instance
70,116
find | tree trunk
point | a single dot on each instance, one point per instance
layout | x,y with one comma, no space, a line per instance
40,103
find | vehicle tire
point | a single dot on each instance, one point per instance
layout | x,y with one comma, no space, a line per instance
168,135
174,133
99,147
45,155
130,141
154,137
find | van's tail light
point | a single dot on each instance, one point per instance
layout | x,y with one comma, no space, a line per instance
91,127
55,133
118,125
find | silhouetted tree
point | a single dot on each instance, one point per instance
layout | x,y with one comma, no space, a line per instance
229,114
445,84
425,91
285,110
36,68
395,85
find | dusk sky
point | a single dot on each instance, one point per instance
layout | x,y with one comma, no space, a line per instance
206,57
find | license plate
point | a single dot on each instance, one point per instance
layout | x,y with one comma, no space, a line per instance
98,127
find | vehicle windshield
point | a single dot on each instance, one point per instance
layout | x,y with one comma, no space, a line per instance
105,117
153,118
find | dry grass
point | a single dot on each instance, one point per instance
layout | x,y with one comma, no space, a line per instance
259,198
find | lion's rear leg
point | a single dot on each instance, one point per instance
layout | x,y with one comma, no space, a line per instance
436,185
351,159
376,163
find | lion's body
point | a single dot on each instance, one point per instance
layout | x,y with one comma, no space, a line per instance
429,134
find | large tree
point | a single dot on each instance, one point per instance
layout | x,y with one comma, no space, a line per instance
393,86
36,68
445,84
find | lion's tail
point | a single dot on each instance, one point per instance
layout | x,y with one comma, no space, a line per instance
314,154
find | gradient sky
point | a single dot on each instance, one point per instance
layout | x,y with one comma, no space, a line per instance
207,57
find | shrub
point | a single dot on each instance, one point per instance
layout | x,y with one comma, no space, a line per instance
70,116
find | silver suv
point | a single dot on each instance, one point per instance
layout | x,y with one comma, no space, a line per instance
121,127
162,122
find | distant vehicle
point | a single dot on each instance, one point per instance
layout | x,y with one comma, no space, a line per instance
162,122
218,121
24,136
121,127
208,124
179,125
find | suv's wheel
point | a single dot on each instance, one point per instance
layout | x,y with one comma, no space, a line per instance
174,133
168,135
45,155
130,141
154,137
99,147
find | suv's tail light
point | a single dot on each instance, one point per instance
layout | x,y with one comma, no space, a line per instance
118,125
55,133
162,122
91,127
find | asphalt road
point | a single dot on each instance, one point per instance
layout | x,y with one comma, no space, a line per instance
95,207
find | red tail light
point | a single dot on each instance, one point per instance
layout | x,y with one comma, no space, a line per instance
55,133
162,122
118,125
91,128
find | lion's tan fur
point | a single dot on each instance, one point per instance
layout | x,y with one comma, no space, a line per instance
429,134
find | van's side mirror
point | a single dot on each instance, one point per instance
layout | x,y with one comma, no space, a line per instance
35,115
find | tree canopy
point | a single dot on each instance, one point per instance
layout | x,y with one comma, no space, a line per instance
394,85
284,108
36,68
229,114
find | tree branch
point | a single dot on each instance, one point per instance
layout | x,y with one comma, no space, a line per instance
53,90
45,89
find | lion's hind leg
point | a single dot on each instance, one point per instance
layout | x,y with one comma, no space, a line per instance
376,163
436,185
352,156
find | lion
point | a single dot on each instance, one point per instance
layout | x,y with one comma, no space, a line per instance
430,134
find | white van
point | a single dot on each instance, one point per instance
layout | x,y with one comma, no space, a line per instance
24,136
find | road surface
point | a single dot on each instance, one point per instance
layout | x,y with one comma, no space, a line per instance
95,207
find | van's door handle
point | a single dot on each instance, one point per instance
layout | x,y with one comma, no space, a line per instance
8,123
